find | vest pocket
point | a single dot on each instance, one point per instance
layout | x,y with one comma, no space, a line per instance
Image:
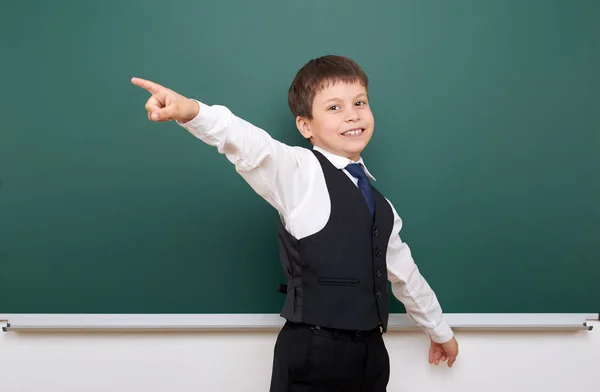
338,282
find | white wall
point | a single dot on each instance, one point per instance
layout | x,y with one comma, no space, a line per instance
201,361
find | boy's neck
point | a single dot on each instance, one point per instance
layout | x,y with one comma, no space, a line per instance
326,151
341,161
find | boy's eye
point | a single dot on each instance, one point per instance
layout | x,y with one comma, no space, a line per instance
360,103
333,107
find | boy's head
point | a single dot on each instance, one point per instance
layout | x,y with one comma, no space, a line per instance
329,99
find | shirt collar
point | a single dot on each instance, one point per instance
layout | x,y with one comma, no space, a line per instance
341,162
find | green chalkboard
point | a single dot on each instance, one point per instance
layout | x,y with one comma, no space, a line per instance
487,142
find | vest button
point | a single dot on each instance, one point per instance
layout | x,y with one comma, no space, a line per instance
379,274
377,252
378,294
376,232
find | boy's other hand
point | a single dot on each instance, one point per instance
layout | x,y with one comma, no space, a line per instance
443,351
166,104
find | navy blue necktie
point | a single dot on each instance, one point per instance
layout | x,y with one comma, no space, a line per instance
363,184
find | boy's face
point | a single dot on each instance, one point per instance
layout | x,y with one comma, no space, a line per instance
342,120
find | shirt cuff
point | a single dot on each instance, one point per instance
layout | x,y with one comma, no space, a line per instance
442,333
204,120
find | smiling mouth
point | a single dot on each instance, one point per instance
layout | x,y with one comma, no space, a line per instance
354,132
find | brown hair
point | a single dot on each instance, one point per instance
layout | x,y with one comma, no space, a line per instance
313,76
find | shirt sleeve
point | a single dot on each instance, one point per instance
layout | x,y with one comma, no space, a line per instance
270,167
411,288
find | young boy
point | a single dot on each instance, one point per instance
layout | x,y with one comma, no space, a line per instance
338,238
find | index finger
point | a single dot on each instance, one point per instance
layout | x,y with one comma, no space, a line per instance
152,87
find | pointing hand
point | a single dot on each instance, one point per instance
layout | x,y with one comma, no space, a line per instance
166,104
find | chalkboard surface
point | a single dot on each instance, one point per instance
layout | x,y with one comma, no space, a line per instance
487,142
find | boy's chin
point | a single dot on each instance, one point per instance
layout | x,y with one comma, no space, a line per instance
353,153
355,147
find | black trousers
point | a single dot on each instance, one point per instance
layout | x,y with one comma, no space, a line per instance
311,358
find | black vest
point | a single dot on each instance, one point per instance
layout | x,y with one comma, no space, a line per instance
337,277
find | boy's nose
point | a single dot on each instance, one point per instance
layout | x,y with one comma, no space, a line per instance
352,115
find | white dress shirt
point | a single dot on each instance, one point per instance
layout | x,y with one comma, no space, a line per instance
291,180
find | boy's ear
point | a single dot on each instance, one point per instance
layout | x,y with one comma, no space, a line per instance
303,126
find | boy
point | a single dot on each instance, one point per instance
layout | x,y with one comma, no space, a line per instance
338,238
